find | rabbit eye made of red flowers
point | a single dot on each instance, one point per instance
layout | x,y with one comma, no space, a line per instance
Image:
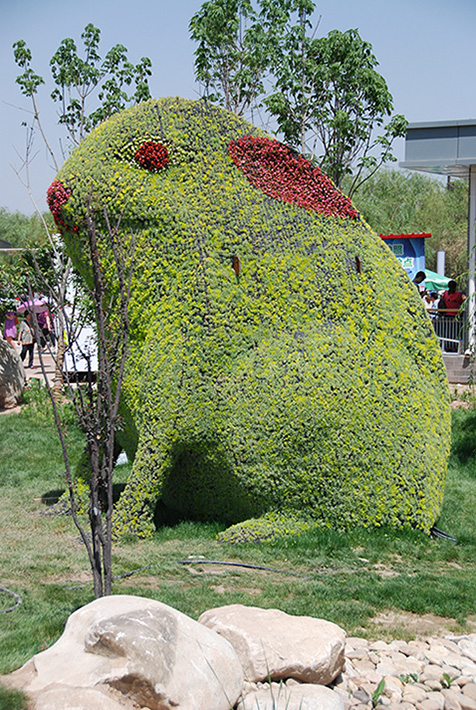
152,156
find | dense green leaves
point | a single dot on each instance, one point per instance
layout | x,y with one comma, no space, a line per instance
232,52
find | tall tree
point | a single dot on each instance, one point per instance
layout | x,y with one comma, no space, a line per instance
327,97
231,57
329,93
77,77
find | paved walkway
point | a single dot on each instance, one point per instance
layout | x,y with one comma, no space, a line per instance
36,373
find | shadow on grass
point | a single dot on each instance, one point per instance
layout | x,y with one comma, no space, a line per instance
52,497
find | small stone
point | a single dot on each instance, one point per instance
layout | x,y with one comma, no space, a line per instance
451,645
470,690
356,642
430,673
393,682
468,648
362,696
387,668
429,705
379,646
437,697
374,677
414,695
363,666
452,703
466,702
357,653
374,657
368,688
433,684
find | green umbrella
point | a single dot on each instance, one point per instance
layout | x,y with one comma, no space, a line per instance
435,282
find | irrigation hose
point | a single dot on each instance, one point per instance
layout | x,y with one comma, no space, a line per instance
436,532
203,562
241,564
14,594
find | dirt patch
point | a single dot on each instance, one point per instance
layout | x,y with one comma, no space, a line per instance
462,396
384,571
406,625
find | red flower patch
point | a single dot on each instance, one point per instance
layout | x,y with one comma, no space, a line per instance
283,175
57,195
152,156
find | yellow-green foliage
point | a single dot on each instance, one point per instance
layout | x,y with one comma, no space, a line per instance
312,385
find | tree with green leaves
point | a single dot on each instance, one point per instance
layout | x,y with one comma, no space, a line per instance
77,78
231,57
328,92
293,95
327,98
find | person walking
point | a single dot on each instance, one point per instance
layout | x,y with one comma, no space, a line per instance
10,327
26,338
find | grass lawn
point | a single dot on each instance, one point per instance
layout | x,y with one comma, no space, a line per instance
369,582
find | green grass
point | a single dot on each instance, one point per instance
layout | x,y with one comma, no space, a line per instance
12,699
349,578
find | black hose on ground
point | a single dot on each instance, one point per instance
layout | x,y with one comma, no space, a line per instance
14,594
241,564
442,535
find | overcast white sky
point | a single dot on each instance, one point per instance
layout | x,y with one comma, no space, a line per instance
425,49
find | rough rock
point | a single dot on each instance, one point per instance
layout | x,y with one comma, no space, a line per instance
468,648
297,697
151,653
12,376
76,699
272,644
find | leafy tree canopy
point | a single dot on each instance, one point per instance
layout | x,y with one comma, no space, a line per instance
326,96
116,81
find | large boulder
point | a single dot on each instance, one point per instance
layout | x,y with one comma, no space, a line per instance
148,652
274,645
12,376
281,365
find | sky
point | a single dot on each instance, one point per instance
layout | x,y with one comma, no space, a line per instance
425,50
